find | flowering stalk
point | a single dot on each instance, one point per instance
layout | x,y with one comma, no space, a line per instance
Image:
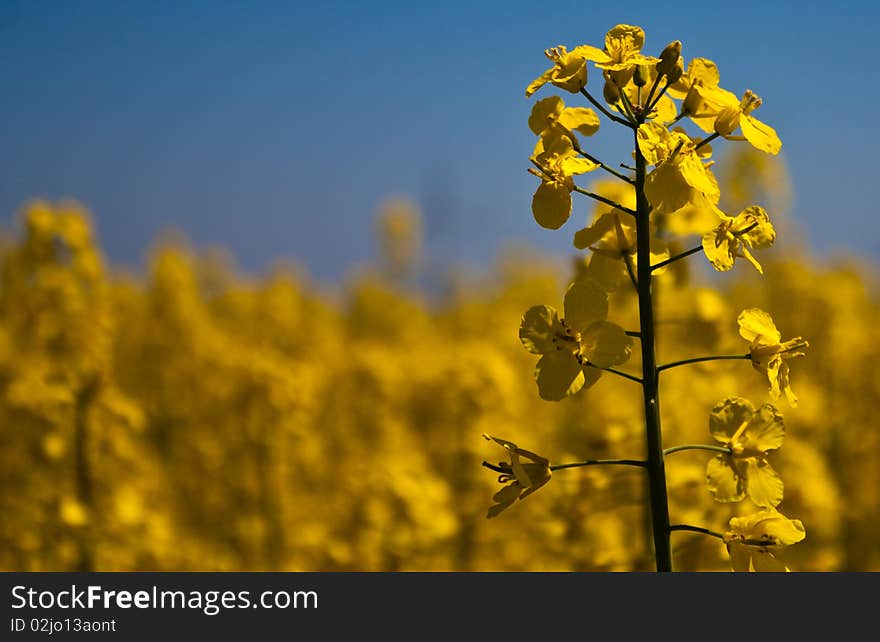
577,344
650,374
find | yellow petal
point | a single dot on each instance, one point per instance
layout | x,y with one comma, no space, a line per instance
503,498
716,247
591,234
574,165
723,481
760,135
765,562
755,324
606,271
765,431
762,484
580,119
551,205
728,417
606,344
544,113
539,82
585,302
538,328
653,139
740,557
558,375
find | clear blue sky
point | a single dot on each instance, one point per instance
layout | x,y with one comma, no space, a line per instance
276,128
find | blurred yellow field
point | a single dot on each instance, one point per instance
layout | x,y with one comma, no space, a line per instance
196,419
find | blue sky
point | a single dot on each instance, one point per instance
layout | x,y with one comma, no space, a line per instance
275,129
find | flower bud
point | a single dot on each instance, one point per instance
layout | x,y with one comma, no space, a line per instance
677,72
669,57
610,91
641,75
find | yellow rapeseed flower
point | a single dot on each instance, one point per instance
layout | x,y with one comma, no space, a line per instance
702,97
524,478
750,434
574,348
622,52
550,113
769,352
559,162
569,70
680,177
752,540
739,114
733,237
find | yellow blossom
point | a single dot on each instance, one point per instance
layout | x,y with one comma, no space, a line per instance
769,352
750,434
559,162
702,97
622,52
569,70
574,348
549,113
752,540
524,478
739,114
680,177
733,237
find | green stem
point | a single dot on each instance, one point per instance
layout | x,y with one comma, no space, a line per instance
707,140
627,259
717,449
617,372
693,250
601,108
506,470
608,169
683,362
695,529
653,104
601,462
653,89
602,199
650,379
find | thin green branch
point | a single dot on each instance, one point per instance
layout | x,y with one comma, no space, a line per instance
601,108
653,89
608,169
707,140
675,364
659,96
627,104
696,529
717,449
675,258
619,373
633,333
627,259
602,199
602,462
